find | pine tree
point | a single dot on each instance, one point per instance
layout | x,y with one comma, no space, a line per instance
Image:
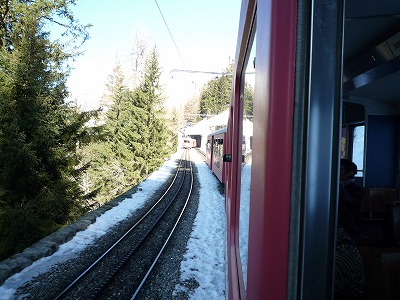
137,138
116,162
148,103
39,132
216,96
123,129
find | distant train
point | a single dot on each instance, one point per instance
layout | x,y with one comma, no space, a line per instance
189,143
325,76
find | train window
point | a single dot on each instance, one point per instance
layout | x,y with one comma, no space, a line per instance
343,143
358,149
353,135
247,92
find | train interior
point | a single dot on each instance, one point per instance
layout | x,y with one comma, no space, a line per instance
370,135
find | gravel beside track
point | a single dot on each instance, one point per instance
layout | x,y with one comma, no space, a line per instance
162,281
165,276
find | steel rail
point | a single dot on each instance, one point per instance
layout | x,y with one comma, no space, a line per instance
72,284
160,216
170,234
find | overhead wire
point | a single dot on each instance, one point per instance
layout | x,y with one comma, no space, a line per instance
165,22
206,72
202,72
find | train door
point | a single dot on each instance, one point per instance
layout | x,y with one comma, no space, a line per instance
295,147
308,59
209,151
316,135
239,137
245,135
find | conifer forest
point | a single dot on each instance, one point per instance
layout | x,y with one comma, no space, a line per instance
56,161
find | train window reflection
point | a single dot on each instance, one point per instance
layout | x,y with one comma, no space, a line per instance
358,149
247,138
353,135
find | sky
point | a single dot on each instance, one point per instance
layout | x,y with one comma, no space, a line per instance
204,259
204,35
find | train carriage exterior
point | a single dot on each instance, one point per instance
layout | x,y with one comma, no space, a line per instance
215,152
208,150
189,143
326,86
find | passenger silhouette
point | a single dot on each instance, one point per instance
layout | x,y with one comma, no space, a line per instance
350,200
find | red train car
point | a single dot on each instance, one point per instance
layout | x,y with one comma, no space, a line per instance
326,85
215,151
189,143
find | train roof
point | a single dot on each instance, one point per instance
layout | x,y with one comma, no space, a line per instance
222,130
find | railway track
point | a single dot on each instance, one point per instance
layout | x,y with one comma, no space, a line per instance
122,270
201,153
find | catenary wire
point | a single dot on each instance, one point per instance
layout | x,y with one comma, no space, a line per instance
170,34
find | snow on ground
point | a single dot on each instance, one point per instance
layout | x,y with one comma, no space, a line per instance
205,257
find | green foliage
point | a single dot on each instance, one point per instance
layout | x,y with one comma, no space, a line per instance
137,138
248,101
14,15
113,166
148,99
216,96
191,111
39,132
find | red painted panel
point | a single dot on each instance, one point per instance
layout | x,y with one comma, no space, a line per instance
272,150
236,288
235,279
